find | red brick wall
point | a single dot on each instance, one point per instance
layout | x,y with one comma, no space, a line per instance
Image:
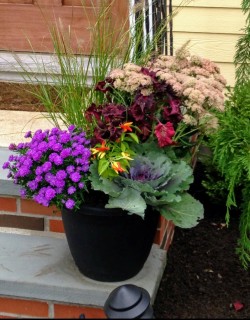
22,308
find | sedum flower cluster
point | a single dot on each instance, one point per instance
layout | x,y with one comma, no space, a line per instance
53,167
195,81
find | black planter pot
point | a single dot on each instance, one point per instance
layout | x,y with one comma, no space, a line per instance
108,244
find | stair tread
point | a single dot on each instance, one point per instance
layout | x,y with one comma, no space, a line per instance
39,265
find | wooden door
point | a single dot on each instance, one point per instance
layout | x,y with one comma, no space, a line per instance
24,24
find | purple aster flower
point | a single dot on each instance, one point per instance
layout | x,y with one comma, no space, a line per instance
38,136
64,137
32,185
38,178
79,161
21,159
85,168
61,174
80,148
75,176
6,165
22,193
28,134
87,153
23,171
51,143
81,185
37,156
11,157
55,131
70,169
50,193
71,127
41,200
20,146
59,183
57,147
59,190
39,170
58,160
65,153
69,204
28,162
43,146
46,166
52,156
52,138
74,145
71,190
12,146
50,178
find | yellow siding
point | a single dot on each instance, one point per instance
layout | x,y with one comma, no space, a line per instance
213,27
209,3
219,47
209,20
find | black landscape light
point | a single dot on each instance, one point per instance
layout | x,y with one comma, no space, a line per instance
128,302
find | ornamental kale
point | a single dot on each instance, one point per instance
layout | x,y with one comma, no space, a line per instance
156,178
53,167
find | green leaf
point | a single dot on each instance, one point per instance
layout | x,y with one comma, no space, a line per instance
102,166
99,183
123,147
184,214
129,200
165,199
134,137
182,178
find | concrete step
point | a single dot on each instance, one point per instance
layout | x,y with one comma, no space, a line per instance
14,125
38,266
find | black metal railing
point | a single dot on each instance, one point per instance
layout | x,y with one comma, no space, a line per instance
156,16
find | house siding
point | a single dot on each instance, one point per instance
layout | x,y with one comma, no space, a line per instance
213,28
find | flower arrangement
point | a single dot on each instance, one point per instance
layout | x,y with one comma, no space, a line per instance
137,146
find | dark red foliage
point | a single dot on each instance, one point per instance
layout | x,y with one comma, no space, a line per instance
161,106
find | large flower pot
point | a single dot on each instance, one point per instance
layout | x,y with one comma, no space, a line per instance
109,244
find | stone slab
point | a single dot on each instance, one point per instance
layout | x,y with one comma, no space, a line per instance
39,265
14,125
4,156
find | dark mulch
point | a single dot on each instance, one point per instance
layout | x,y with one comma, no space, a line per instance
203,277
18,97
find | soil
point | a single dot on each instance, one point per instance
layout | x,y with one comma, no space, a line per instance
203,278
17,97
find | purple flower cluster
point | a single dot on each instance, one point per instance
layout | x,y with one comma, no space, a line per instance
53,167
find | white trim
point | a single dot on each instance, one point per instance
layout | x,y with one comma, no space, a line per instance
15,66
131,22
